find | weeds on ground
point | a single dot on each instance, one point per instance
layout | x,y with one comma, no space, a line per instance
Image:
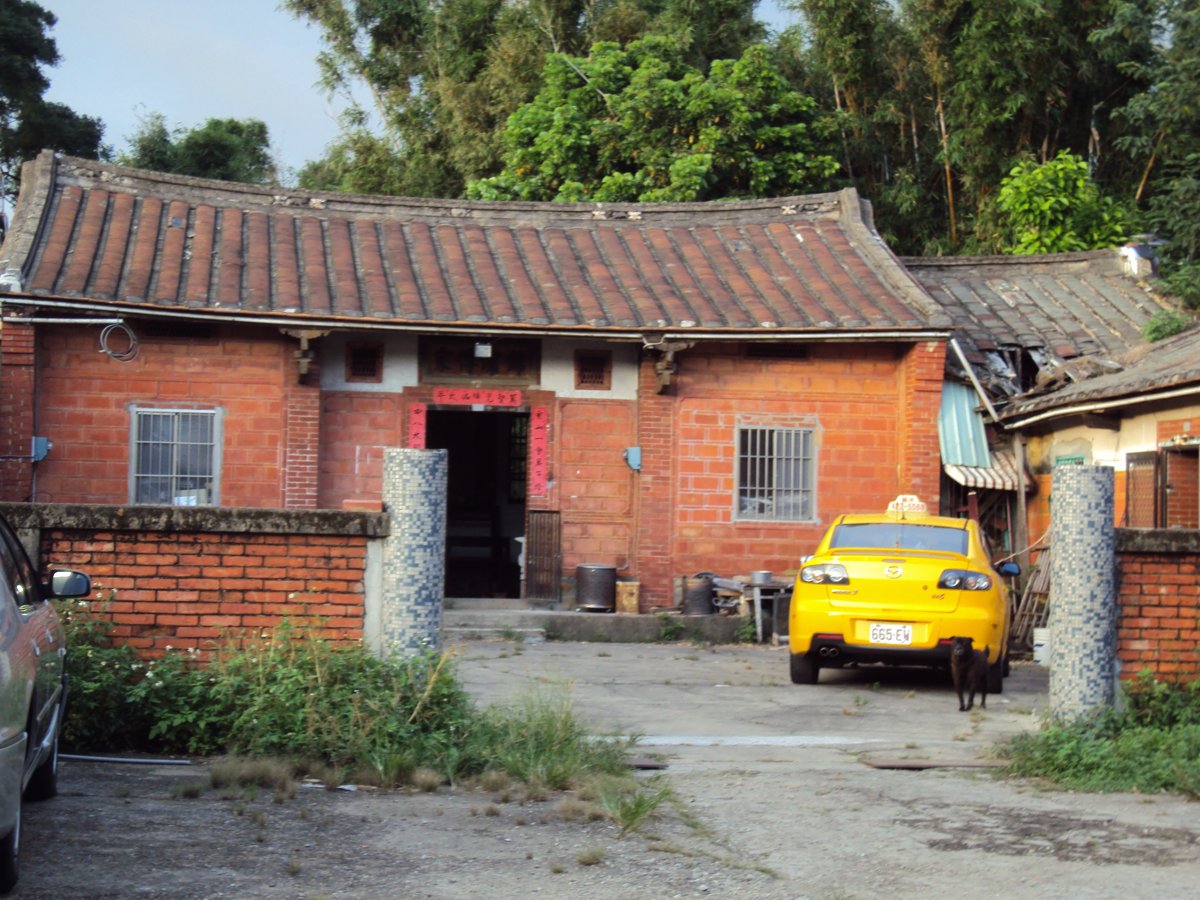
1151,745
286,702
630,809
669,628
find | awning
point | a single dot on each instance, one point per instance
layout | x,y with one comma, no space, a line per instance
1001,475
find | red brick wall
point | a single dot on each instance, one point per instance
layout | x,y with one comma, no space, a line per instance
874,408
355,428
302,447
1159,598
190,590
656,486
84,396
16,411
921,460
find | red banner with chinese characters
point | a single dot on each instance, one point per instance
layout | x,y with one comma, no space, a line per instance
539,467
416,426
476,397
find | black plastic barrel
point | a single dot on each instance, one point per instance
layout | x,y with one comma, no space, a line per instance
596,587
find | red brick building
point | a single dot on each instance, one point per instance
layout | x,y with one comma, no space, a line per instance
665,389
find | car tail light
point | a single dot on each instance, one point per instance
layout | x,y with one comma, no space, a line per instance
965,580
828,573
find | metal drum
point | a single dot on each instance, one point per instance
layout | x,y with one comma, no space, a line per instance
698,596
596,587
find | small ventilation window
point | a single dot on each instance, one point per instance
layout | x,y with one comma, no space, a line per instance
364,362
593,370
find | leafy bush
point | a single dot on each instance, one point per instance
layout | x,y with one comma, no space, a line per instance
1055,207
1152,745
100,710
290,694
1164,324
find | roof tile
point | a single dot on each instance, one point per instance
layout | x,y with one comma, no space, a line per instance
115,236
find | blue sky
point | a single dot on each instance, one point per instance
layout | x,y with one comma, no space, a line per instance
192,61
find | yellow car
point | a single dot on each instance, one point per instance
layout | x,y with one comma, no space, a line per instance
897,588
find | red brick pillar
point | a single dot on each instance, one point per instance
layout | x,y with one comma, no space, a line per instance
655,490
16,411
302,426
921,397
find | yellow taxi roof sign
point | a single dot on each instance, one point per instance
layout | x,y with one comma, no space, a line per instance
907,505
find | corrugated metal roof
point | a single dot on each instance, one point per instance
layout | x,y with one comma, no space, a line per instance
1001,475
121,236
961,434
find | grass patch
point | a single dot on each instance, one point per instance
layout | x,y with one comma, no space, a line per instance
591,857
1152,745
630,809
285,702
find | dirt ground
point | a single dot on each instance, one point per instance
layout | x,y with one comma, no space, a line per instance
868,784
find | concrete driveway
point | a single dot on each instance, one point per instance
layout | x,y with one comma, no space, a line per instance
871,783
676,695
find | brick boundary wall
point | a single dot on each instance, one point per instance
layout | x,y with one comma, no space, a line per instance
1158,596
187,577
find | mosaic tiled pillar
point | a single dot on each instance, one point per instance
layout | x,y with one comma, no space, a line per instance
1083,592
414,554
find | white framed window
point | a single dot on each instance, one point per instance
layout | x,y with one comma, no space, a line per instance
175,456
776,474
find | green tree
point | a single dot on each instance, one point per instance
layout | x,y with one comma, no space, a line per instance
225,149
28,123
443,77
1056,207
641,124
1165,137
940,98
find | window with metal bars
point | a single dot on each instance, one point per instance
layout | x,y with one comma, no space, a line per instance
776,474
364,362
176,456
593,370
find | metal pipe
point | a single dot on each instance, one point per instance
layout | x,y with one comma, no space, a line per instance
129,760
975,381
25,320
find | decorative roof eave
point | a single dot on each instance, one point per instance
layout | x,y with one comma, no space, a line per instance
1163,371
1019,419
87,310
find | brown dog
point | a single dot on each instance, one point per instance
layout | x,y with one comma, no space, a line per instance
969,671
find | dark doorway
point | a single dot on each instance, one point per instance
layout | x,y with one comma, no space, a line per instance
485,509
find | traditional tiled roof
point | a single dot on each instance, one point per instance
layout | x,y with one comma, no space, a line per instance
1149,374
116,237
1055,307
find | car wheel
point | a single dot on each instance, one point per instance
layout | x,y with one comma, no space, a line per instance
995,677
10,844
1007,666
804,670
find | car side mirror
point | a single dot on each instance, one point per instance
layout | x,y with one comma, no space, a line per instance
69,583
1009,569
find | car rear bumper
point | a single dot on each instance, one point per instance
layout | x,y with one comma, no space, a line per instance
829,651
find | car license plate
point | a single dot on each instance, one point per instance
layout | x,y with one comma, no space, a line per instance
890,633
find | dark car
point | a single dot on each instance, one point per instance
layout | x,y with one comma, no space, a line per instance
33,688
